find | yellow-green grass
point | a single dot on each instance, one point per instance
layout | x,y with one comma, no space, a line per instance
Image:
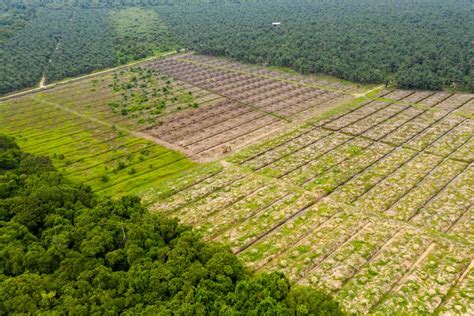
111,160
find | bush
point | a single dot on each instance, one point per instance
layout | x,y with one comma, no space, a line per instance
7,142
120,166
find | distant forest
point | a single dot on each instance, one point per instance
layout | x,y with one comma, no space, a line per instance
417,44
60,39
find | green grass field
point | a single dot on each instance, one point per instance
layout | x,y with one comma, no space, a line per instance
87,149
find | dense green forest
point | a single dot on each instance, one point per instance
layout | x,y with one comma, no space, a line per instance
425,44
81,52
63,250
61,39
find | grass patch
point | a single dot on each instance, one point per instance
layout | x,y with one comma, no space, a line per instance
111,162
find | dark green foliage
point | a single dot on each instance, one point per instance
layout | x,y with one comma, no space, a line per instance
25,54
64,251
12,18
58,44
61,39
7,142
426,44
84,45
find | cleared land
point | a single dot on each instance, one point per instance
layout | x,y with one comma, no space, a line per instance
373,204
371,201
254,104
90,129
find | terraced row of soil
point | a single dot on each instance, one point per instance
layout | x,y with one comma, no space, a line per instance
262,71
254,107
373,205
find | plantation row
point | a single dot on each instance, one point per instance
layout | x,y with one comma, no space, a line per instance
415,45
279,73
272,95
67,40
372,204
400,183
363,255
139,100
91,126
253,107
87,141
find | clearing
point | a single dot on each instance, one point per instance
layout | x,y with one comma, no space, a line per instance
368,196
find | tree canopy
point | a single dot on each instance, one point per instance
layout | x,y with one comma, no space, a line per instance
59,39
65,250
424,44
421,44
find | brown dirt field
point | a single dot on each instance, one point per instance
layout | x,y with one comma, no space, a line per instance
252,108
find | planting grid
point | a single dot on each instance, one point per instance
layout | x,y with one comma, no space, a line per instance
254,105
373,204
309,80
86,149
76,126
83,123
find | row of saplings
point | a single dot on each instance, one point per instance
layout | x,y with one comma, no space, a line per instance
144,94
64,250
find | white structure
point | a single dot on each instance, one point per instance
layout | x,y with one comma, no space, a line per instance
276,23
